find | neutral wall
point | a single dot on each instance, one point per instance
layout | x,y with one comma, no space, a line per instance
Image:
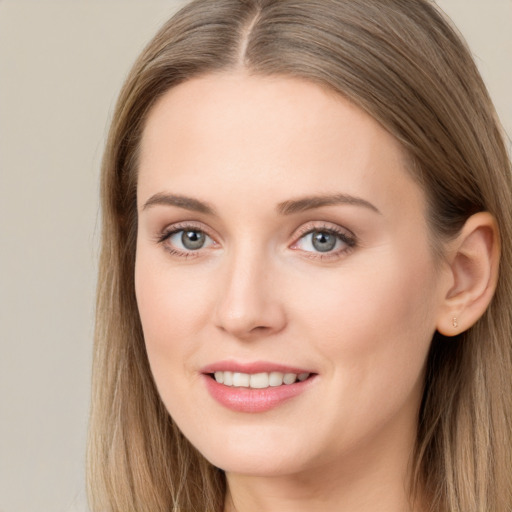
61,66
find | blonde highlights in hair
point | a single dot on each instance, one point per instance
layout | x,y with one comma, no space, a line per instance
404,64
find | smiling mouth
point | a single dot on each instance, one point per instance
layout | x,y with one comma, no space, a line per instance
260,380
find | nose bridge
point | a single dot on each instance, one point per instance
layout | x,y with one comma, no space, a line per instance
248,303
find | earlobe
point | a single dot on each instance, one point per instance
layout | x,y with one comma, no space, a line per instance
473,264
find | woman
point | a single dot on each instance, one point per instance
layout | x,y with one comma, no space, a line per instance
305,284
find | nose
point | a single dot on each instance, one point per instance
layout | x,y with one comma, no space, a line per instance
249,303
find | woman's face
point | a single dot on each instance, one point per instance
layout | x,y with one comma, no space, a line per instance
281,237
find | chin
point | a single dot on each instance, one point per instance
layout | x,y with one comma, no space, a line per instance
255,464
261,456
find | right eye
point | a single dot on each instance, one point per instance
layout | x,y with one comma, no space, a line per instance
186,240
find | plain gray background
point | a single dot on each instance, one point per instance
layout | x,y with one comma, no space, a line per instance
61,66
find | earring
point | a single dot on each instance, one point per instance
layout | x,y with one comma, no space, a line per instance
454,322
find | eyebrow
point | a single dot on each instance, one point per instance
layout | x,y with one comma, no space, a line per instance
289,207
188,203
311,202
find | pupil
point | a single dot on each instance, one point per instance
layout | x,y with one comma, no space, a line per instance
323,241
192,239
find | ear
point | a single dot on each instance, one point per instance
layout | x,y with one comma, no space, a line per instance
473,260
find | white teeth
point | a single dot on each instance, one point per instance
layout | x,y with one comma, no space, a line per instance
258,380
289,378
276,379
241,380
228,378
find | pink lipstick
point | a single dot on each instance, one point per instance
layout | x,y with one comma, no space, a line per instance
254,387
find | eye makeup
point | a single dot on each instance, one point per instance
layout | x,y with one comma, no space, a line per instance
322,241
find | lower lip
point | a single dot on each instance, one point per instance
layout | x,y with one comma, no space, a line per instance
254,400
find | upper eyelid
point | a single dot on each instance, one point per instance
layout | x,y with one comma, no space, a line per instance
346,238
310,227
183,226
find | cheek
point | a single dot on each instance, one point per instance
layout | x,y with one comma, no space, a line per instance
173,309
373,330
368,296
374,323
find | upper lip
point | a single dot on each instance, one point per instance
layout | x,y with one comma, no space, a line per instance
252,367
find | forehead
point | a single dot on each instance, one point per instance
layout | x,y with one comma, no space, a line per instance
248,133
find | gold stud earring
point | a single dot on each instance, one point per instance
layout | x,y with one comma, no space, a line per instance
454,322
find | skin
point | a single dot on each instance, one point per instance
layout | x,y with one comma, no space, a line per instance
361,317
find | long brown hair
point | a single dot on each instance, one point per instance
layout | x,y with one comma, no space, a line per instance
403,63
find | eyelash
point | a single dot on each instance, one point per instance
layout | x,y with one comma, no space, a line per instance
347,237
176,228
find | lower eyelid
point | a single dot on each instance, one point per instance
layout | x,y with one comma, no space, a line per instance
333,256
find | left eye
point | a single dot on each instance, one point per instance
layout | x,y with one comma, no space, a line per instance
322,240
189,239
